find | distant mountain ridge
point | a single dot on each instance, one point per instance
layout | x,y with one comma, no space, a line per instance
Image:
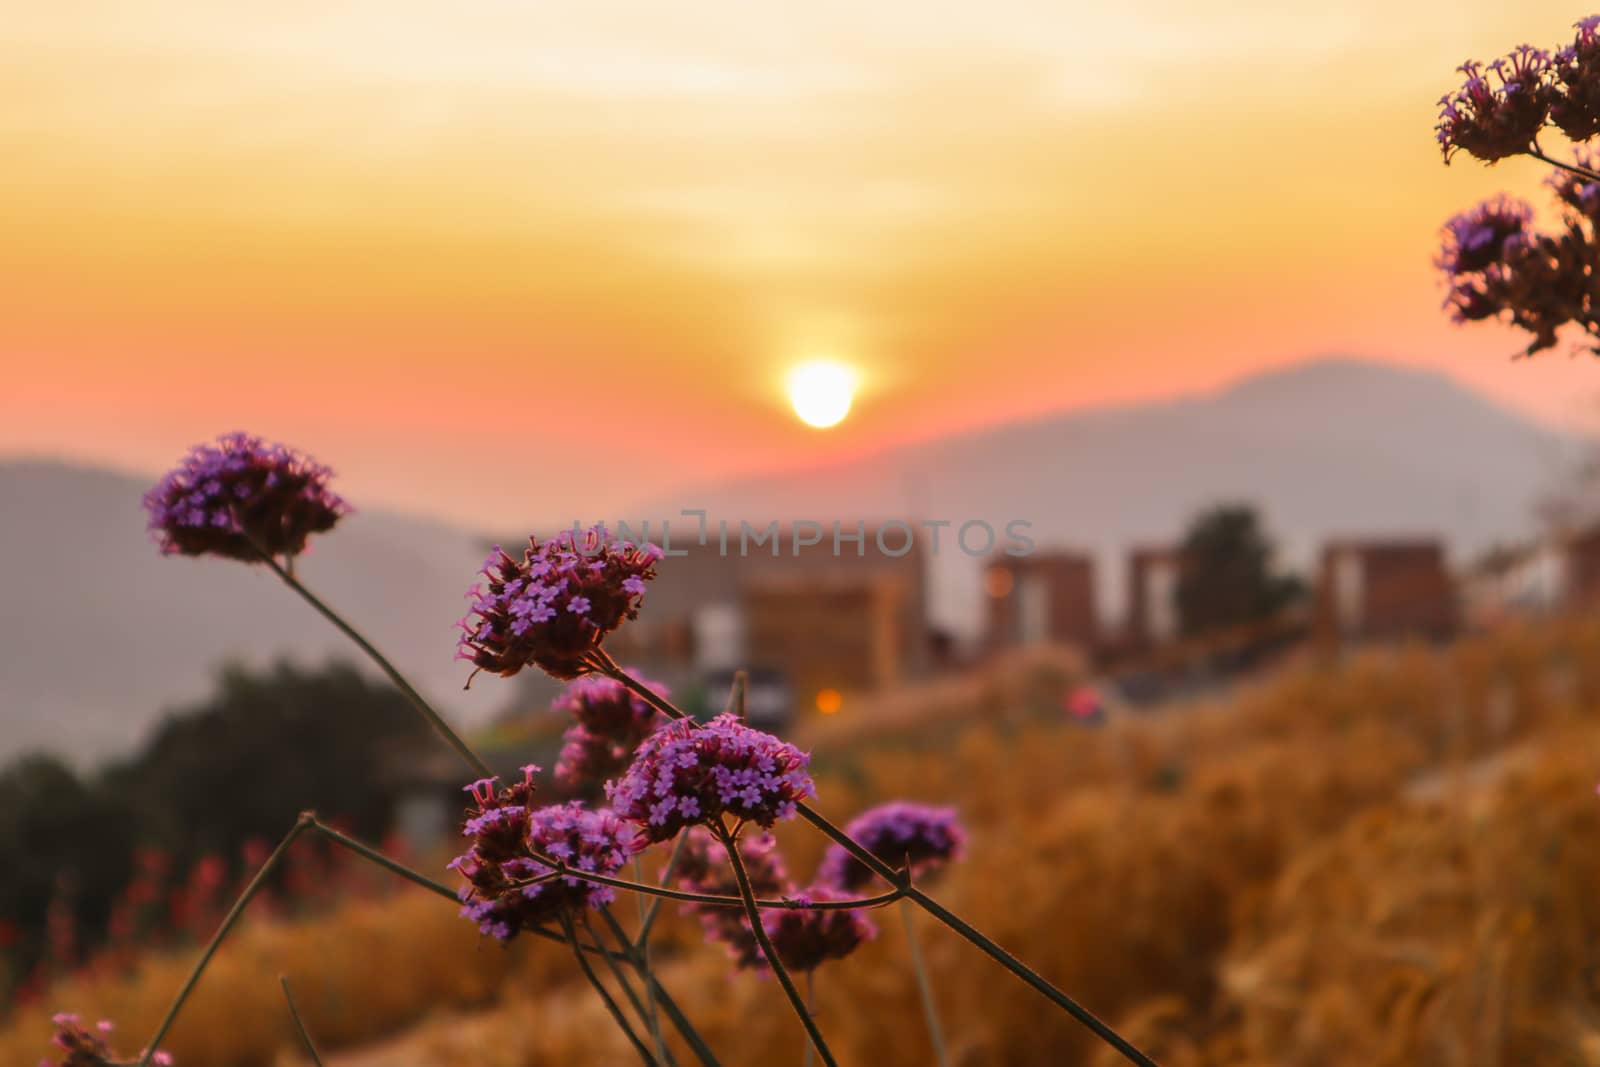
100,633
1330,447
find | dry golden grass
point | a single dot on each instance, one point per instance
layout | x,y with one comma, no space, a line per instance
1385,861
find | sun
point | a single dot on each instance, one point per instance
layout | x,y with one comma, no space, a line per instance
821,391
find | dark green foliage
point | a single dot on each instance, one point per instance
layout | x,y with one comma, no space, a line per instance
60,839
242,764
236,767
1227,578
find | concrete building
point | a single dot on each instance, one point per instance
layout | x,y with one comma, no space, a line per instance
831,636
808,611
1384,589
1044,597
1154,617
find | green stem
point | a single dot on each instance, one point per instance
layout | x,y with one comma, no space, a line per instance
561,870
681,1022
605,995
1588,175
659,993
299,1024
753,913
435,720
621,977
930,1007
608,666
811,1009
302,824
372,855
631,955
641,946
649,920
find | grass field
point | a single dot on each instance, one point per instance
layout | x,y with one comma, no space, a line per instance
1390,860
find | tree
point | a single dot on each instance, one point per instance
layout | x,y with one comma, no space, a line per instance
236,767
266,746
1227,578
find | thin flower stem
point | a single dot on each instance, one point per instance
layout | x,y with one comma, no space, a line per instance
560,870
299,1024
645,1010
930,1007
435,720
685,1028
621,978
649,920
730,843
681,1022
605,995
604,664
1537,153
302,824
641,948
372,855
811,1008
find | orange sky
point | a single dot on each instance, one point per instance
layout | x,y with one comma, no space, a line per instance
495,259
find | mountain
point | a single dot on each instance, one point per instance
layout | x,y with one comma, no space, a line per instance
1326,448
100,633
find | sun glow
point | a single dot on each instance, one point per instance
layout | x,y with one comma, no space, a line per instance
821,391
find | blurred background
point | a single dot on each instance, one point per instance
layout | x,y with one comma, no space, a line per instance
1052,407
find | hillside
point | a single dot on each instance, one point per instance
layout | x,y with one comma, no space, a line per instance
1330,447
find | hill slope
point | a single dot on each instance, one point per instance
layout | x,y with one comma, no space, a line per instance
100,633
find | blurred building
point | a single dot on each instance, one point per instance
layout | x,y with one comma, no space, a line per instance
831,634
826,616
1044,597
1383,589
1558,574
1154,617
1507,583
1580,555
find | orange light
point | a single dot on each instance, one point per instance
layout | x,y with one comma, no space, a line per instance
997,581
829,701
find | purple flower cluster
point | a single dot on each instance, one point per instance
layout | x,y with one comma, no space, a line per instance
610,722
552,607
242,497
805,938
88,1048
1493,119
703,867
899,833
1495,265
507,889
1575,75
683,775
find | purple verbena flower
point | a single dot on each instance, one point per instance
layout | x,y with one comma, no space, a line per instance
609,723
1575,83
898,833
703,867
1499,111
507,888
806,938
1496,266
552,607
85,1048
242,497
1475,239
683,775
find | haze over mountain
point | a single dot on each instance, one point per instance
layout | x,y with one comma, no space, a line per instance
100,633
1329,447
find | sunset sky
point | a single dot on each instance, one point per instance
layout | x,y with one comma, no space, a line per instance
495,260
